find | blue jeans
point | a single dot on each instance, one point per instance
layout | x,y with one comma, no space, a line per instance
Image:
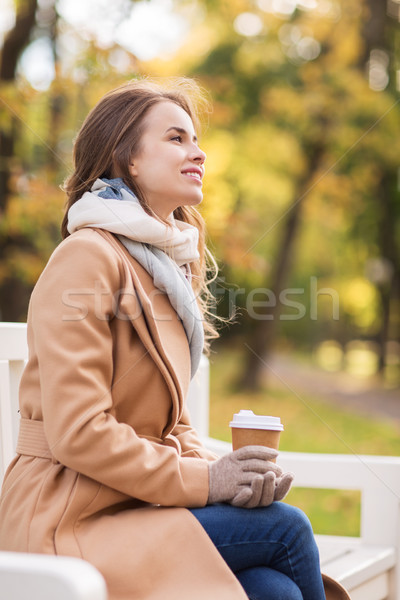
271,550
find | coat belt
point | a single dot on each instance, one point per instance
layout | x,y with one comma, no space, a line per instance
32,440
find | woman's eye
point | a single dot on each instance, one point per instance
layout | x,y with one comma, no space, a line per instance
177,138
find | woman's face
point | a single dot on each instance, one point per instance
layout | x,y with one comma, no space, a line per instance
169,166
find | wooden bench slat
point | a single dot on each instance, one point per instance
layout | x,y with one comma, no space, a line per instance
335,546
373,589
357,565
13,344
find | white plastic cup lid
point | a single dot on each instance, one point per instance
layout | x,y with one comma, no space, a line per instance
246,419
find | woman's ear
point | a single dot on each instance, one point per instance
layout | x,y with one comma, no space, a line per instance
133,169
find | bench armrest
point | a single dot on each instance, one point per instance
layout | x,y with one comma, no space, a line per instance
44,577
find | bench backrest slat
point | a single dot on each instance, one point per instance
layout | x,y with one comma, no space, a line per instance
13,356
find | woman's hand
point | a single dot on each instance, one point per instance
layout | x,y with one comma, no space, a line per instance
238,477
283,485
264,490
247,478
275,487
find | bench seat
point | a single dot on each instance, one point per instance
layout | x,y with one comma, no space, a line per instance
361,569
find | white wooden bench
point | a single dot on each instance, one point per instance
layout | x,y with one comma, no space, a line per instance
33,576
368,566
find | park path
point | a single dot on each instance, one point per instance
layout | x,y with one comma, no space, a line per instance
365,395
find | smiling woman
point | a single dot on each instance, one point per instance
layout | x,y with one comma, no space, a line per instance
169,166
108,467
129,130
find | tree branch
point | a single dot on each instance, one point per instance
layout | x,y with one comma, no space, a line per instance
16,39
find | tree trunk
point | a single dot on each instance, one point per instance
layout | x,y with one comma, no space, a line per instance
377,35
17,38
388,288
264,331
13,296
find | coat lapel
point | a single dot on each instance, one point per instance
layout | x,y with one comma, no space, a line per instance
157,325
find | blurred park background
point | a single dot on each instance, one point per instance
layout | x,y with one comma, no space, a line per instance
301,196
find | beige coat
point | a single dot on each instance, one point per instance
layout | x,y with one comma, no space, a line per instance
105,436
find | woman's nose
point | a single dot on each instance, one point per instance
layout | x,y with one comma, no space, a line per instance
198,155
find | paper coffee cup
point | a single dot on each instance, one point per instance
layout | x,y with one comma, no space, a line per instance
249,429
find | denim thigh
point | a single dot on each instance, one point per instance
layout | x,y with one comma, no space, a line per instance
278,536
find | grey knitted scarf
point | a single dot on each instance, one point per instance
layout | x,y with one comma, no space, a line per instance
167,275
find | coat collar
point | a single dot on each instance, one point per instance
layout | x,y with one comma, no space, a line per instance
157,325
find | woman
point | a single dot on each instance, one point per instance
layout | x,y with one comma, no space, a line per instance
108,467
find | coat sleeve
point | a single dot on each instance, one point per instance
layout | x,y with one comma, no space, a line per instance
70,313
189,439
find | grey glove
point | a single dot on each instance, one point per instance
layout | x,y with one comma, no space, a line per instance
264,490
235,477
250,496
283,485
275,487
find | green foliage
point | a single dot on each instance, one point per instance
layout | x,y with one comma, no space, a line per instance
33,215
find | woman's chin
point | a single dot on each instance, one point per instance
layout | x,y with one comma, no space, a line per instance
193,201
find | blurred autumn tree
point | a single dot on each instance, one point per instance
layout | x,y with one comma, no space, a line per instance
36,131
302,169
11,288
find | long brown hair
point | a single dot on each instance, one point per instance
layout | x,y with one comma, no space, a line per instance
111,135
